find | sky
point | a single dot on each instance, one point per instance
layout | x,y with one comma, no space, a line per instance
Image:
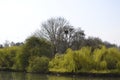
98,18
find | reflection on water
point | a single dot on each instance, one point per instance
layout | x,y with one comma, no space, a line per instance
28,76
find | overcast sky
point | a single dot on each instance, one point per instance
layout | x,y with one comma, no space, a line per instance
98,18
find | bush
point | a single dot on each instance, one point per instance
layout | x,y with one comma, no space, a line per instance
21,61
7,56
69,62
72,61
83,59
112,57
56,64
3,61
103,65
38,64
118,65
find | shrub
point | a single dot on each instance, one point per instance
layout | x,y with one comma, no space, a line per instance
7,56
72,61
118,65
56,64
38,64
112,57
103,65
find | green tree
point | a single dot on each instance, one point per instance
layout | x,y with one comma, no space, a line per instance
35,46
32,47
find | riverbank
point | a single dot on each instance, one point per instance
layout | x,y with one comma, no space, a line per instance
85,74
31,76
72,74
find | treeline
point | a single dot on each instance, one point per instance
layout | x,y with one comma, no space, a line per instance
59,47
9,44
62,36
31,56
35,55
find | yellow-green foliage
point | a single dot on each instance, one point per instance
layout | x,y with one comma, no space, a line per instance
118,65
99,53
2,58
56,64
101,59
84,60
7,56
63,63
103,65
98,56
72,61
21,60
112,58
69,63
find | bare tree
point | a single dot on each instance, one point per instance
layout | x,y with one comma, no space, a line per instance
76,39
53,30
59,32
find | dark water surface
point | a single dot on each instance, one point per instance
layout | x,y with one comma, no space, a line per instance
29,76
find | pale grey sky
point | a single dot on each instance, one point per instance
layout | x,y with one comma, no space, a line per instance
98,18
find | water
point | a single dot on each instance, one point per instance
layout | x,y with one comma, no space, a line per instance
28,76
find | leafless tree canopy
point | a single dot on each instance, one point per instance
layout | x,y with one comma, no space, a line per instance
60,33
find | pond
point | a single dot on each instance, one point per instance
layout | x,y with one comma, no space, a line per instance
30,76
